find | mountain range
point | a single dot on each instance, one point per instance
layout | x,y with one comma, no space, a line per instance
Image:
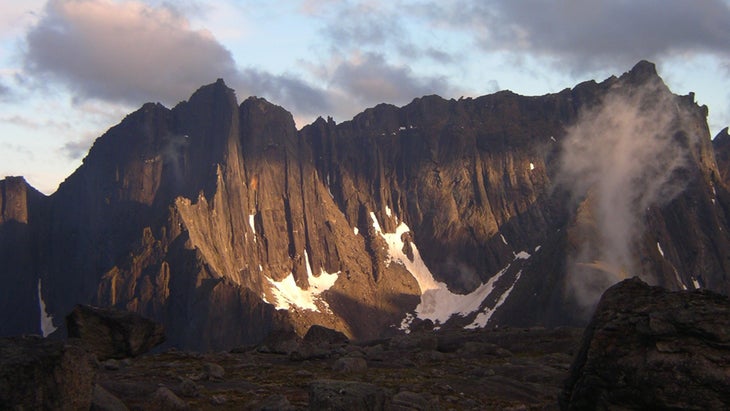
225,223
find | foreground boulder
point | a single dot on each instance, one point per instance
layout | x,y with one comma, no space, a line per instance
318,334
111,333
345,395
41,374
649,348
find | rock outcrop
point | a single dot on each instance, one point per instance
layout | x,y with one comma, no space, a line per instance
649,348
22,219
42,374
110,333
225,223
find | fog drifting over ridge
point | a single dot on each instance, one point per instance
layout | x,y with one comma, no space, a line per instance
621,157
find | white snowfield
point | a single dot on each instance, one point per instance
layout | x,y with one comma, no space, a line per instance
288,294
47,326
438,304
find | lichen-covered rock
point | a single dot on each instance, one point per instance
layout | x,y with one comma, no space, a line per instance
649,348
37,373
111,333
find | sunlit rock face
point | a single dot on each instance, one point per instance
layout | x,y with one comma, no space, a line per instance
224,222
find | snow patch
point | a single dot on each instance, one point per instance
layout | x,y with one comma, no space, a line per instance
522,255
251,222
538,248
438,303
376,225
47,326
483,317
288,294
553,138
405,324
532,166
659,248
356,230
253,226
696,283
504,240
388,211
306,262
395,253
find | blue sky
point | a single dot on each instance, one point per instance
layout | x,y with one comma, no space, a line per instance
70,69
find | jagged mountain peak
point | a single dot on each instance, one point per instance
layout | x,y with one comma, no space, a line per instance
644,68
218,88
721,146
260,107
722,138
644,73
224,222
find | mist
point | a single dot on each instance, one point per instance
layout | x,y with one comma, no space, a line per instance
173,154
620,158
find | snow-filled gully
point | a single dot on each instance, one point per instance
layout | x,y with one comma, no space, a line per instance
438,303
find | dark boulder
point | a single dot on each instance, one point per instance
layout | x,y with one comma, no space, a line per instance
280,342
649,348
111,333
103,400
41,374
318,334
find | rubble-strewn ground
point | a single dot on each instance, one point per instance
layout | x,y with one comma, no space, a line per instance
495,369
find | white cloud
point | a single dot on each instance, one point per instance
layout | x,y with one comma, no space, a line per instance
123,51
15,16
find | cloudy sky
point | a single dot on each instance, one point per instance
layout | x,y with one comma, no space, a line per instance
70,69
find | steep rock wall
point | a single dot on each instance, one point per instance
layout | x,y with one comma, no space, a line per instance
224,222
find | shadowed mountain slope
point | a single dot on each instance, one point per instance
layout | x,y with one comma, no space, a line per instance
224,222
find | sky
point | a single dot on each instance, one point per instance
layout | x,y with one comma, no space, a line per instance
71,69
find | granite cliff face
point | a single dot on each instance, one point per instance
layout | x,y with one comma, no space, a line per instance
224,222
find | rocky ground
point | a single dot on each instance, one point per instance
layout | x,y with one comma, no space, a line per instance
425,370
645,348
